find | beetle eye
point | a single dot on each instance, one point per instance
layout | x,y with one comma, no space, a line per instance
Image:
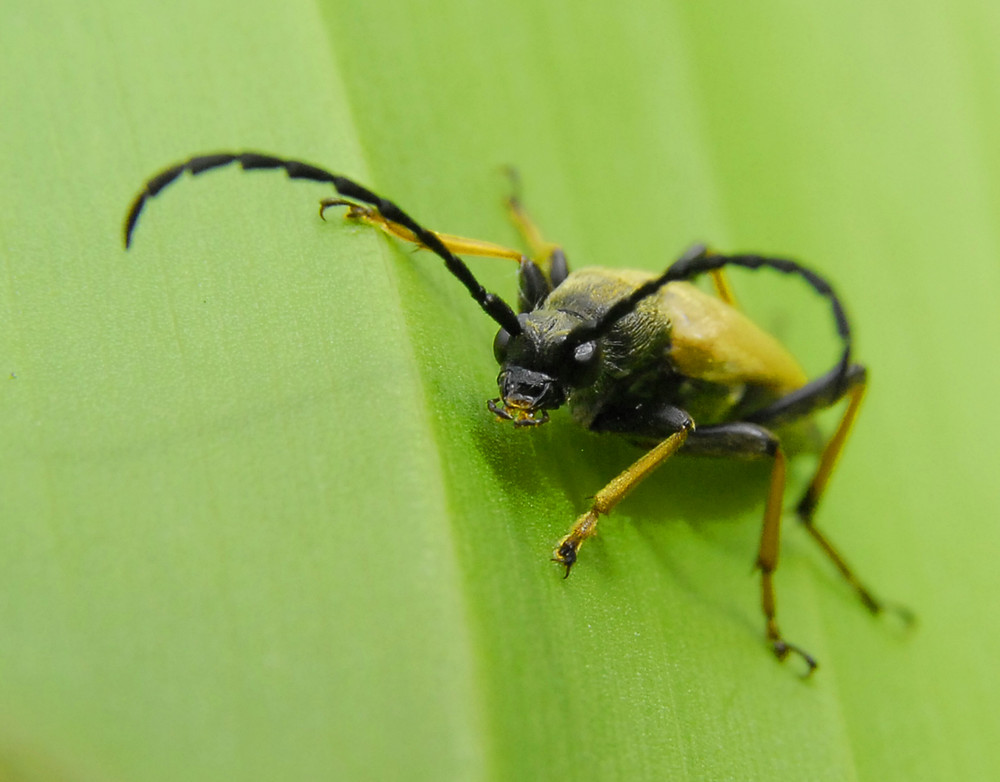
584,354
500,342
584,365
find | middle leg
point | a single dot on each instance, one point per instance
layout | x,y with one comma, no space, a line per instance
751,441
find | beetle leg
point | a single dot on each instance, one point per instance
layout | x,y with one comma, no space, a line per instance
749,441
548,255
831,452
616,490
806,507
722,287
533,282
819,394
541,249
459,245
767,561
720,280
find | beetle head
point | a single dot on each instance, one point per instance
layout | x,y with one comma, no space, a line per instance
540,366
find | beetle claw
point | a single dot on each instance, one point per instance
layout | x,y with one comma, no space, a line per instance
566,555
782,649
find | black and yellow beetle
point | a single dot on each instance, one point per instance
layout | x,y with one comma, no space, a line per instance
642,355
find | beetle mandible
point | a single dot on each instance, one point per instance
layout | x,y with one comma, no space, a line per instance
632,353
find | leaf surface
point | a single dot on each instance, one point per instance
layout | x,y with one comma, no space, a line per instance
256,521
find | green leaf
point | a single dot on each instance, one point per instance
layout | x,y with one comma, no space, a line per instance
256,522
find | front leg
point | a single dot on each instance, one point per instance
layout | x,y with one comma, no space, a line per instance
671,419
534,283
460,245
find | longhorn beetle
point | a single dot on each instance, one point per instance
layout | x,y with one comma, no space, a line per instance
638,354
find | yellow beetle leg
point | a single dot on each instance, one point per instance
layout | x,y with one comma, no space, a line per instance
722,287
820,394
810,499
720,281
459,245
767,561
616,490
548,256
541,250
828,460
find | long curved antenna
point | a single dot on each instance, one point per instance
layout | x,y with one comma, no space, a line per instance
697,261
491,304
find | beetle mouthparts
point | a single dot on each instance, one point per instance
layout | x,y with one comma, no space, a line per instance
521,415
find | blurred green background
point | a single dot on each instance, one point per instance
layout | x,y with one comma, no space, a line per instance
255,521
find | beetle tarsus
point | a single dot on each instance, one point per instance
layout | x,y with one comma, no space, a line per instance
353,209
782,649
565,555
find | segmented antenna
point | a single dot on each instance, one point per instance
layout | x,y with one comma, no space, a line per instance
491,304
698,261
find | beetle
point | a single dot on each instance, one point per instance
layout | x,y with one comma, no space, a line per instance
629,352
